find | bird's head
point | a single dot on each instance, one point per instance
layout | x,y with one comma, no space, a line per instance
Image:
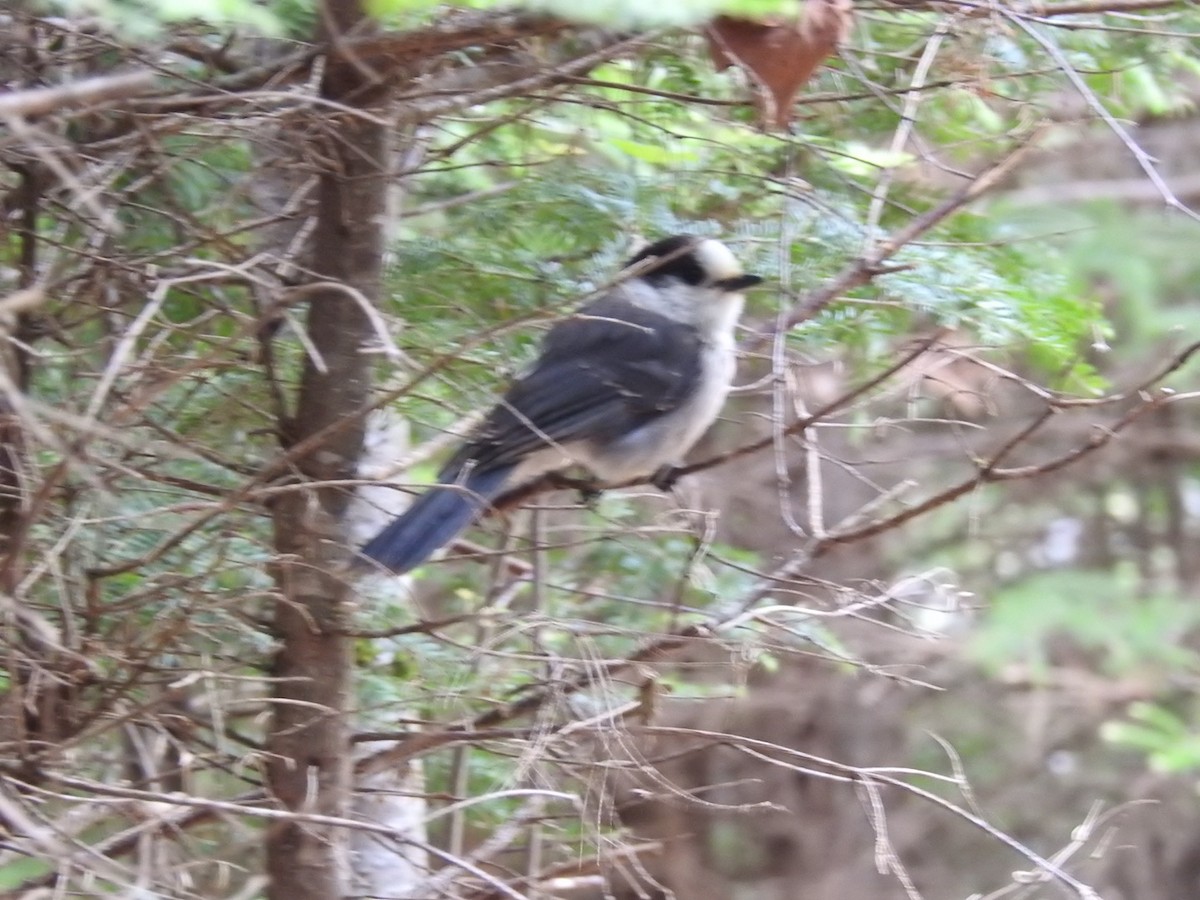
694,280
695,262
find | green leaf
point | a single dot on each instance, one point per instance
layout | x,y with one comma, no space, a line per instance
865,161
653,153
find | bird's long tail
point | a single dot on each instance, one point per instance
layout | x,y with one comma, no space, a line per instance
435,518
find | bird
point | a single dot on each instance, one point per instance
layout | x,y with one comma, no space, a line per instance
623,387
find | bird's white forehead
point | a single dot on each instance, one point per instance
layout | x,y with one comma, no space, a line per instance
717,260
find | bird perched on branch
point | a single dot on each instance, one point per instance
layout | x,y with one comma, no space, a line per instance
624,387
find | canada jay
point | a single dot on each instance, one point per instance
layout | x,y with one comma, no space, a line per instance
624,387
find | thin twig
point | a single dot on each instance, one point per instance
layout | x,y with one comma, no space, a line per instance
868,266
1143,159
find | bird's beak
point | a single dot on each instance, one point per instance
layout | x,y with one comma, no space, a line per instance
740,283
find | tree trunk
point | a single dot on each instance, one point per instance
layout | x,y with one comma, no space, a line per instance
308,763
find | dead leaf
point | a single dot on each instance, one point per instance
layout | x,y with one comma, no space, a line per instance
780,54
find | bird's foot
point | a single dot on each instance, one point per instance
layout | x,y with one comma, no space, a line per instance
589,488
589,495
665,478
589,492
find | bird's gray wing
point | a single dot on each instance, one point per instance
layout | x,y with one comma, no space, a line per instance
611,368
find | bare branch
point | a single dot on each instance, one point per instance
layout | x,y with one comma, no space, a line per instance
79,95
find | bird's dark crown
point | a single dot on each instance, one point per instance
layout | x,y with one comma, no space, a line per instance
697,262
677,259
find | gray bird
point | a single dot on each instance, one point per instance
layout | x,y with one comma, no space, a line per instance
624,388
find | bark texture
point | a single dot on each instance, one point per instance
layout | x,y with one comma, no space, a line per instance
308,764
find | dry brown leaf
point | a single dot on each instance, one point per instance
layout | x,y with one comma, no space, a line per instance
780,54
